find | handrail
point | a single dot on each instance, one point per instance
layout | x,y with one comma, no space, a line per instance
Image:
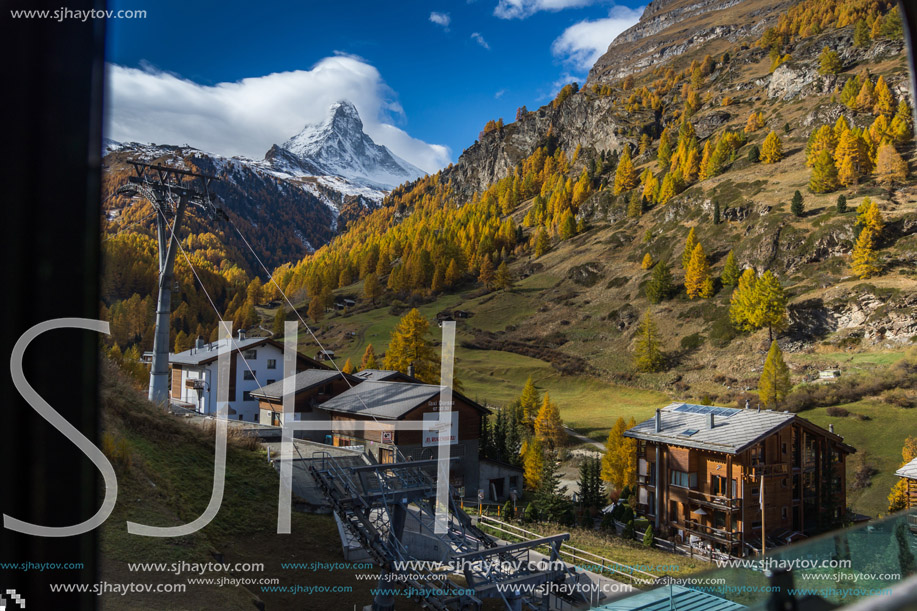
574,552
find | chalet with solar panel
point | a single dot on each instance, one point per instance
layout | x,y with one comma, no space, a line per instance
738,480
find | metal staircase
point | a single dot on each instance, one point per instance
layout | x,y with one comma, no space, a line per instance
375,501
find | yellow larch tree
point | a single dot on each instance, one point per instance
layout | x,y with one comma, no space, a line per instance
625,175
772,149
698,281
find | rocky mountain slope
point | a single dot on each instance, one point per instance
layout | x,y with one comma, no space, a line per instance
291,202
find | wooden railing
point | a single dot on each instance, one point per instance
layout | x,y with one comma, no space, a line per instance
715,501
711,532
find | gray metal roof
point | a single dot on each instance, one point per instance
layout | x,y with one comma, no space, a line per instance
198,356
379,375
734,431
909,470
304,380
389,400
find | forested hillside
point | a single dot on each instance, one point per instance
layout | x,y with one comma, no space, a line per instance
784,154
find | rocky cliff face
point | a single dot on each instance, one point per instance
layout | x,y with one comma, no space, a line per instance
669,28
582,120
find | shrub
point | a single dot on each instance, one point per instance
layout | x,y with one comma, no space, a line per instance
648,536
722,331
117,450
627,515
508,513
863,472
692,342
899,397
530,514
837,412
608,522
629,530
618,512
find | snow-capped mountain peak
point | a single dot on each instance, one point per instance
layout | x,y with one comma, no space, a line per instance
338,146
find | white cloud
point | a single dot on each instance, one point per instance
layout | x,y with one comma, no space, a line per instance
248,116
499,94
583,43
520,9
442,19
480,40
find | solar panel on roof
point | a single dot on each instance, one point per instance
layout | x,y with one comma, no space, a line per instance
689,432
687,408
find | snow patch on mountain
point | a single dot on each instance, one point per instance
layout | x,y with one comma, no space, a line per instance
338,147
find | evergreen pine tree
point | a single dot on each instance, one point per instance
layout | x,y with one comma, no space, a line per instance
716,212
660,284
754,154
550,497
841,204
796,206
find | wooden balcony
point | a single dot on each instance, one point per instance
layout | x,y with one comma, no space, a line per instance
711,533
762,470
713,501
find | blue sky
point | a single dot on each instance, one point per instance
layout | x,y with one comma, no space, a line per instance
233,78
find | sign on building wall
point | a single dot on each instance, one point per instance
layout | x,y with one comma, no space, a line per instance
431,435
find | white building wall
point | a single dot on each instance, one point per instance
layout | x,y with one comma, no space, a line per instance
245,407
